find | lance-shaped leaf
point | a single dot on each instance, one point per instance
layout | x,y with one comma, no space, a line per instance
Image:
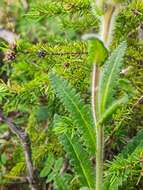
80,160
112,108
109,77
81,114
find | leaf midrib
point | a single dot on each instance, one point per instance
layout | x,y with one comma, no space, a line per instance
107,86
81,165
86,124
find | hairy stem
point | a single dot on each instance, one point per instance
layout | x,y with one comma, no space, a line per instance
99,157
107,26
105,33
94,85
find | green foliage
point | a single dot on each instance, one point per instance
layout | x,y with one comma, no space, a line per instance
55,27
124,164
61,185
80,113
4,91
53,8
64,14
72,144
78,155
97,53
3,159
72,101
51,170
17,169
112,108
109,78
48,166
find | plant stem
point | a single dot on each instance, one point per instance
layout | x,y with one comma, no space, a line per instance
95,77
99,157
105,34
107,26
99,129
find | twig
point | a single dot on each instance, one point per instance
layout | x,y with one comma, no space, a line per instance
139,101
64,167
25,141
53,53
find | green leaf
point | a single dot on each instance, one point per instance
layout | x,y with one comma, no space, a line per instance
50,159
3,159
97,52
61,185
48,166
51,177
109,77
61,124
3,128
80,114
45,171
80,160
112,108
58,164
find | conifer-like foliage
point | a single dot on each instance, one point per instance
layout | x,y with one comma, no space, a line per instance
71,88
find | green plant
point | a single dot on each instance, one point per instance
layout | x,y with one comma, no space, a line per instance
74,104
50,39
72,143
105,102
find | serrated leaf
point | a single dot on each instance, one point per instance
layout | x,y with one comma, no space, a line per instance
109,77
80,114
80,160
61,124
